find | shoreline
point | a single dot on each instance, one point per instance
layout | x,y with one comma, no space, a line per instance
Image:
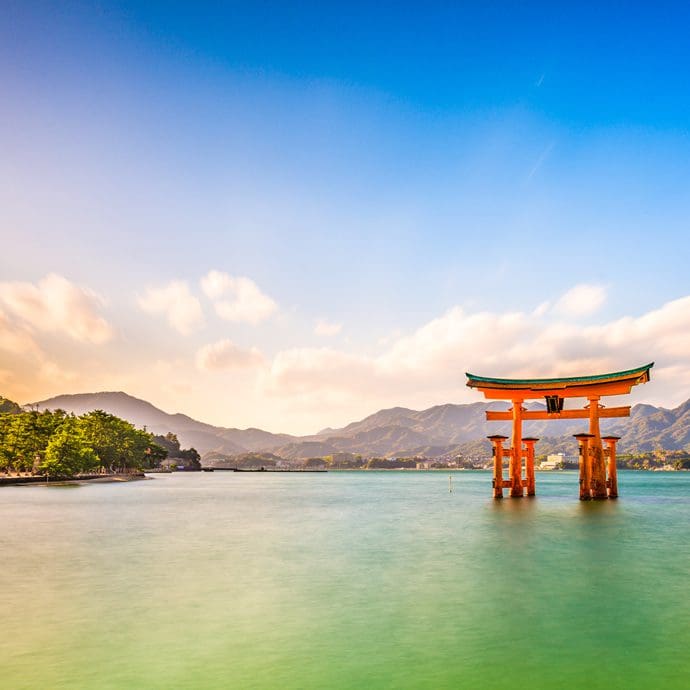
42,480
141,476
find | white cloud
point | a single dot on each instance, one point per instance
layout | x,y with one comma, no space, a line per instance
327,328
57,375
56,305
303,370
541,309
226,355
237,298
30,366
429,364
176,302
16,338
581,300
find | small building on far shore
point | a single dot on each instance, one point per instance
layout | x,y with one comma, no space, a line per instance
555,461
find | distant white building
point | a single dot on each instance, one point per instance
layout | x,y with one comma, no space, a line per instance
553,462
557,461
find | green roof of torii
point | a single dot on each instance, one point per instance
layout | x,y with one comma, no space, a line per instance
484,381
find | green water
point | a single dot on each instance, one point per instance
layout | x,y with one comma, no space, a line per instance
344,580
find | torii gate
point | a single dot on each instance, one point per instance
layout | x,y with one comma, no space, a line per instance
593,480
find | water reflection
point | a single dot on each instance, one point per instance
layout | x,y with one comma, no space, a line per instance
515,508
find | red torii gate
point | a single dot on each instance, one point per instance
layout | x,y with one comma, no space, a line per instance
593,480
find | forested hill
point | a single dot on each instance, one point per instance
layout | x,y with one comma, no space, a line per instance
9,406
398,431
190,432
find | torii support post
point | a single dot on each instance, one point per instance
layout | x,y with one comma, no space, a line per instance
529,465
598,466
497,440
516,489
613,474
585,466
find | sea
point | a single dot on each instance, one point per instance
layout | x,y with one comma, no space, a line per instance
390,579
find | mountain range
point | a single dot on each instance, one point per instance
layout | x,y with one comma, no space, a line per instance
441,430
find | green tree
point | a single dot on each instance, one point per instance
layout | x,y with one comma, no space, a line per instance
25,438
117,443
9,406
169,442
192,459
67,452
154,455
63,444
314,463
104,433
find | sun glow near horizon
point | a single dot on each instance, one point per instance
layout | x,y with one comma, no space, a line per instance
62,339
263,229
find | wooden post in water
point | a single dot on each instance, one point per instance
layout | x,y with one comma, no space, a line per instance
516,489
585,466
529,466
497,440
613,474
598,466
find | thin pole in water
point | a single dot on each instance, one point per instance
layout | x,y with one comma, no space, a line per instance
450,483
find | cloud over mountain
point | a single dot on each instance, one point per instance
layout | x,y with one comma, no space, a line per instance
225,355
433,359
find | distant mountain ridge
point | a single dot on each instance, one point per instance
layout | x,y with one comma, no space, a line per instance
191,433
437,431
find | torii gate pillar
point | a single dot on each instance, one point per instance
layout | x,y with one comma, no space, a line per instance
529,465
516,488
596,452
613,473
497,441
585,466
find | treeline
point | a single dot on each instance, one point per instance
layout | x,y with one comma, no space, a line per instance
339,461
678,459
357,462
336,461
349,461
177,457
59,444
251,460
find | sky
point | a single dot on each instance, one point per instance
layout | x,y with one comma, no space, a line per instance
291,215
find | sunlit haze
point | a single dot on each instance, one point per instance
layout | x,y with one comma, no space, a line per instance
289,218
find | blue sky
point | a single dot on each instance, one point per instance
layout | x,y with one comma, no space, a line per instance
391,174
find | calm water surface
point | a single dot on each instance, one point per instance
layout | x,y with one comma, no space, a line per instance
345,580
